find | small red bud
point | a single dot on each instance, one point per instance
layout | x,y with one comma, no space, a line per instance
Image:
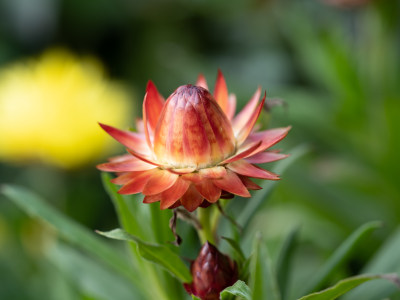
212,272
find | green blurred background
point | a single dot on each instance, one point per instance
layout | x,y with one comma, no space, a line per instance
334,65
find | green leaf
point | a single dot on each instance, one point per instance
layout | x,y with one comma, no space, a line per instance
239,289
386,260
262,277
133,214
158,254
126,217
69,229
247,213
284,260
339,256
348,284
89,276
240,258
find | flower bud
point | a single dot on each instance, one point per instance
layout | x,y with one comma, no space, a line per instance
212,272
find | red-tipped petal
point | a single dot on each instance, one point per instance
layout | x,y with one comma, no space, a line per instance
231,106
153,102
137,183
232,184
208,190
159,181
241,119
152,107
201,81
132,164
144,158
250,185
243,151
268,138
174,193
245,131
221,92
191,199
244,168
265,157
126,177
214,172
129,139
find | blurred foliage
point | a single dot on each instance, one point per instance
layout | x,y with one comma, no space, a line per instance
336,69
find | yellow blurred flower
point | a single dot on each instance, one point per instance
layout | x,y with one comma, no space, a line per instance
49,110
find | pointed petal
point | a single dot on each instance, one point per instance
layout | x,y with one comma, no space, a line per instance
133,164
208,190
129,139
159,181
221,92
265,157
174,193
242,167
152,106
231,106
232,184
241,119
191,199
245,131
152,198
268,138
214,172
144,158
243,151
201,81
137,183
250,185
126,177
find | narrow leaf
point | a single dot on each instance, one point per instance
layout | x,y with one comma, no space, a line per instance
262,277
158,254
126,217
133,214
69,229
89,276
239,289
386,260
284,261
348,284
340,255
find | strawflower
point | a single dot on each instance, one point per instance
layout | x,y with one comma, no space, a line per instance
191,150
49,107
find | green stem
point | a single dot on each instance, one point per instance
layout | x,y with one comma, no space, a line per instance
206,232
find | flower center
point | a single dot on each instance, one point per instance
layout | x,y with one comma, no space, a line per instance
192,130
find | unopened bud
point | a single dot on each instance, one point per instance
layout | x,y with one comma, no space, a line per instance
212,272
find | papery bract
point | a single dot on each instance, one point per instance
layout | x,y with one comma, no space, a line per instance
212,272
191,150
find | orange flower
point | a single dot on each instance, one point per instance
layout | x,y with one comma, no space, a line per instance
191,150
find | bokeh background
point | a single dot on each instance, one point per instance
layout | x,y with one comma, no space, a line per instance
331,69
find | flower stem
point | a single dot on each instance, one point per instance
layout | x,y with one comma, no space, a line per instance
206,232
